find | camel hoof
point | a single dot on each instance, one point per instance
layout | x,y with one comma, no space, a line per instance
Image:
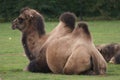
26,69
111,62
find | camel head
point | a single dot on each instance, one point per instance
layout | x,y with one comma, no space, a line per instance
29,19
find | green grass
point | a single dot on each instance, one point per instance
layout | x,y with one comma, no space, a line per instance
12,60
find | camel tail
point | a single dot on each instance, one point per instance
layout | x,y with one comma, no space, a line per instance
95,66
69,19
99,65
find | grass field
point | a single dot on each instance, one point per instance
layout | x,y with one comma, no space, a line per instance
12,60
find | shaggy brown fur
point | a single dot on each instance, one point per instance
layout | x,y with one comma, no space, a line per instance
65,26
111,52
75,54
31,24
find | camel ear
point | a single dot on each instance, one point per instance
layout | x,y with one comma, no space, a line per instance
27,13
29,16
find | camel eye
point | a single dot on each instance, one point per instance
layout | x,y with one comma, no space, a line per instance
20,20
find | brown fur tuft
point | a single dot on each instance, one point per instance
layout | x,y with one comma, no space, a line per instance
39,23
24,9
84,26
69,19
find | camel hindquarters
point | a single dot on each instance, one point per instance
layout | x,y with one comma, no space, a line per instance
56,59
78,62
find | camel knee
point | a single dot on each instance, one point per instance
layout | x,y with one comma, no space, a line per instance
67,71
33,67
103,71
112,60
26,69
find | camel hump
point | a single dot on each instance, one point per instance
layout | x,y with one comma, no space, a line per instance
84,26
69,19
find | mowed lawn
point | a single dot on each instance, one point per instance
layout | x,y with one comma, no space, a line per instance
12,59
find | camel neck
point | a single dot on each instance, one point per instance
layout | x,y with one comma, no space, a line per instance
29,41
27,51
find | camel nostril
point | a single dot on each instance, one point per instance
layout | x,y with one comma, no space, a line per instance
13,26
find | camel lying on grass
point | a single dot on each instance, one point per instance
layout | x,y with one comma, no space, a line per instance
111,52
34,38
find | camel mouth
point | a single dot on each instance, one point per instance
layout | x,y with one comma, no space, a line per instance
14,27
